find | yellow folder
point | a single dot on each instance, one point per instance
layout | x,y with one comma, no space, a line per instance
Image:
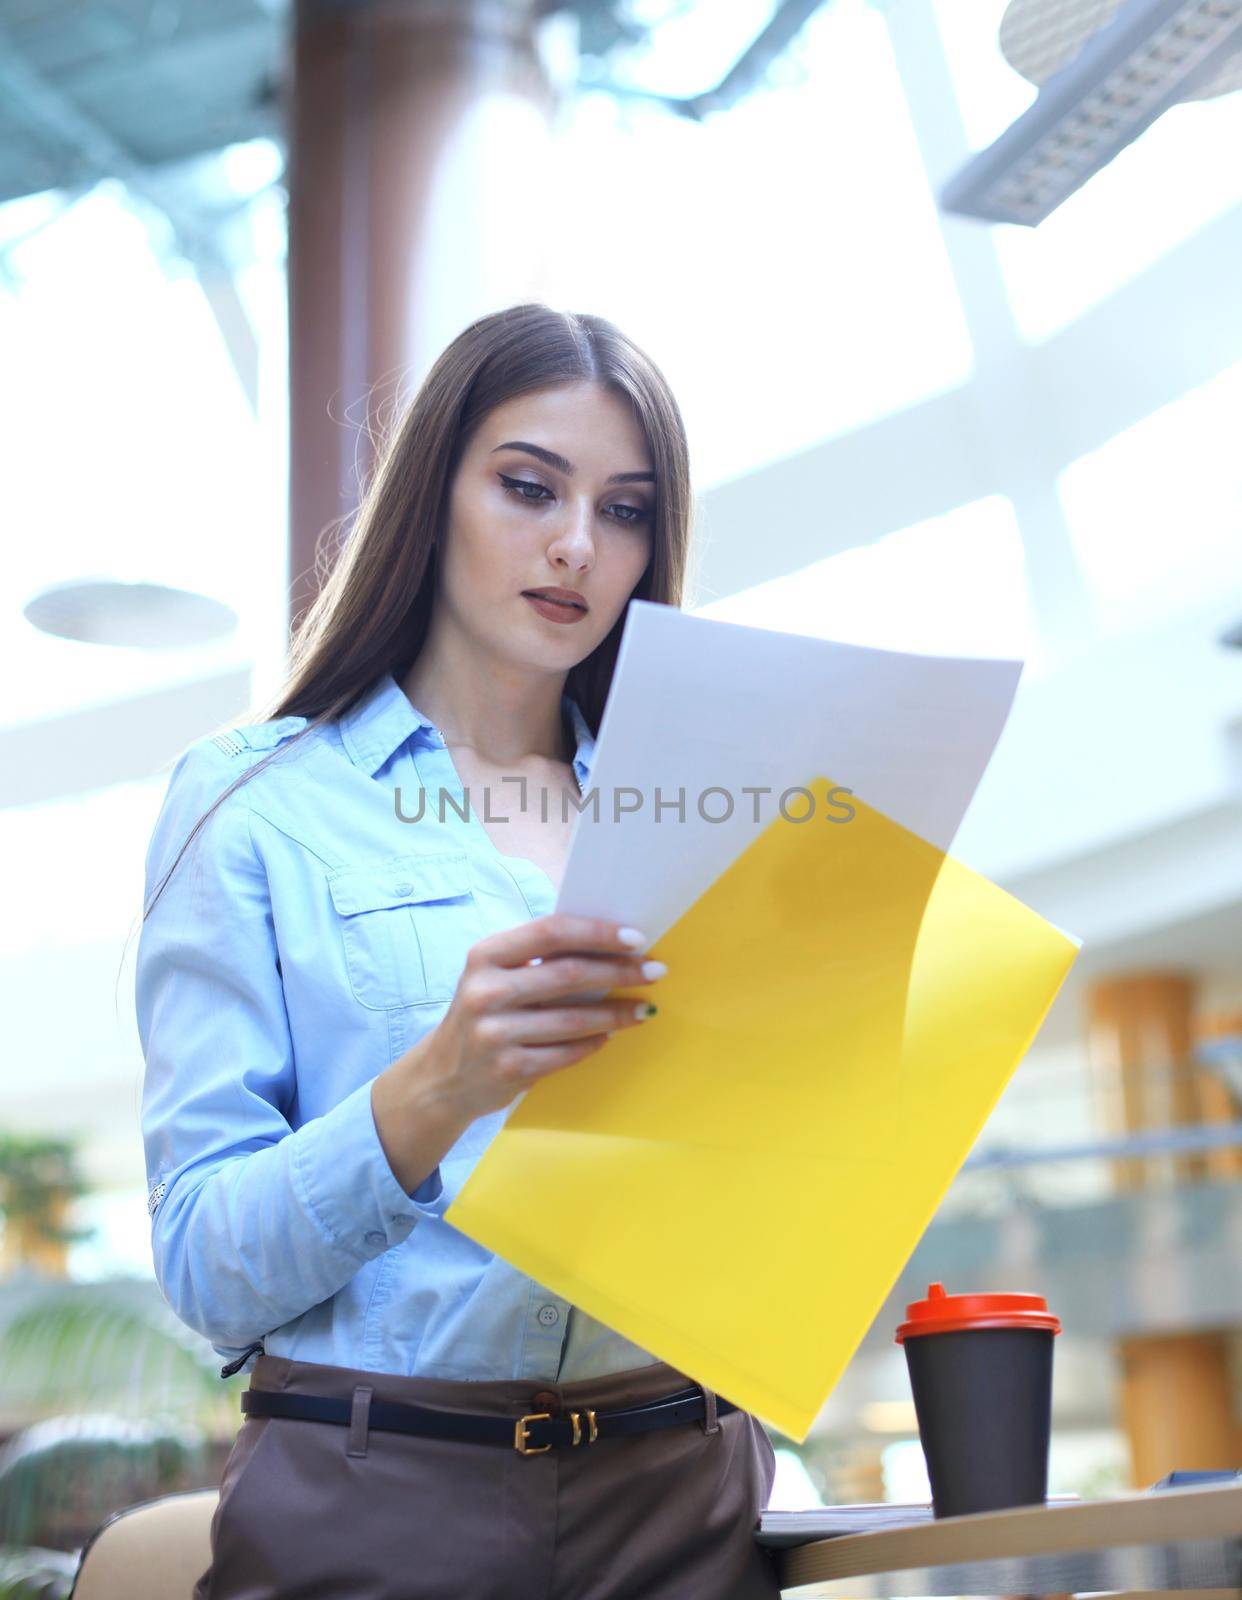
736,1183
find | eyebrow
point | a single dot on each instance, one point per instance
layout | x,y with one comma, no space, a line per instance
551,459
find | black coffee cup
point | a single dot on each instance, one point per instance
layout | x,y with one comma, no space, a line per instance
981,1375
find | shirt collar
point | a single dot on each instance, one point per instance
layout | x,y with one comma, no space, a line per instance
379,722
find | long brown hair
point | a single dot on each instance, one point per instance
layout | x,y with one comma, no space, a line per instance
373,608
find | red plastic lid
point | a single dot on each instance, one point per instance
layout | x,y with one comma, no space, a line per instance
954,1313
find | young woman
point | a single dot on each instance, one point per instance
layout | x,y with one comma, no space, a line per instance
356,968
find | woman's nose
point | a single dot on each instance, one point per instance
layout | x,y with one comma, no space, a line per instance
576,540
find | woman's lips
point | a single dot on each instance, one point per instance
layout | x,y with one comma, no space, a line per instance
555,610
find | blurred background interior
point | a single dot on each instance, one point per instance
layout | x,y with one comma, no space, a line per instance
949,293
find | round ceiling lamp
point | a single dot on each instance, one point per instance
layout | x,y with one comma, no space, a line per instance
138,616
1039,37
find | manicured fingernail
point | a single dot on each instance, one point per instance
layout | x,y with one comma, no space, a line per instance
654,969
644,1010
634,937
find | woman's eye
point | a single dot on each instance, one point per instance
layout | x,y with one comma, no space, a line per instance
633,513
518,487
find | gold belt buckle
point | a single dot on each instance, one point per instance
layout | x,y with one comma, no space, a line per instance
521,1433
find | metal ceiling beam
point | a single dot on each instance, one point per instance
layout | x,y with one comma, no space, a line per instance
99,154
603,35
748,71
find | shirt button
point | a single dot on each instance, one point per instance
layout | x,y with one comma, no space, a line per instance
549,1315
374,1236
402,888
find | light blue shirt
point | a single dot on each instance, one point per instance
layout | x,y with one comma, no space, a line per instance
308,937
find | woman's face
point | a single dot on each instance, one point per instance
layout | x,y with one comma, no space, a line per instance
532,507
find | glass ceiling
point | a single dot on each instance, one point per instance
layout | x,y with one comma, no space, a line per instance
821,291
1156,513
789,301
952,585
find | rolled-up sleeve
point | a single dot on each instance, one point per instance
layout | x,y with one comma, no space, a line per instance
253,1220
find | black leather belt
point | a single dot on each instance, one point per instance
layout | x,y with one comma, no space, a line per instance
529,1435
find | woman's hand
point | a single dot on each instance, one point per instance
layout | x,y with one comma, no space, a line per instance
509,1023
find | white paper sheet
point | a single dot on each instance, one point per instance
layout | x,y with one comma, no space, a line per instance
710,706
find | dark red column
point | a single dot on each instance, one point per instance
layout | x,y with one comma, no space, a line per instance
405,124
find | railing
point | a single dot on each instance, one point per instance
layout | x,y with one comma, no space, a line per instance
1064,1132
1165,1141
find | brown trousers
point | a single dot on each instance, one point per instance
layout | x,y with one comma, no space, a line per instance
317,1509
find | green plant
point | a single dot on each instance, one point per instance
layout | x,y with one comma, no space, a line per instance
36,1173
121,1399
114,1346
60,1477
36,1574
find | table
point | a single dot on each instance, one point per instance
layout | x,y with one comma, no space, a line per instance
1157,1541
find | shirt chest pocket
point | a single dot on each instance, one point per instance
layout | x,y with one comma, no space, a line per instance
406,925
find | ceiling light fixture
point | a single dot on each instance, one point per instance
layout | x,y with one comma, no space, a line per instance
139,616
1147,57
